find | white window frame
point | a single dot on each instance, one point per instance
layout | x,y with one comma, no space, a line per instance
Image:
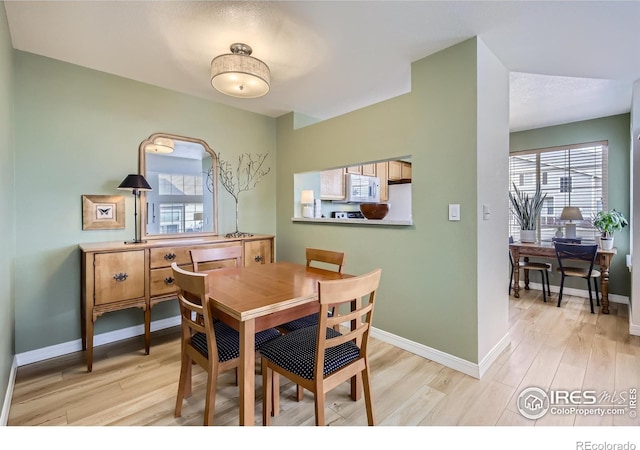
529,170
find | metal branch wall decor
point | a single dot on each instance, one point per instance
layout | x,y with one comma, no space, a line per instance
249,171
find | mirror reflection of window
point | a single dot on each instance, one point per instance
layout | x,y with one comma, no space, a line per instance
182,199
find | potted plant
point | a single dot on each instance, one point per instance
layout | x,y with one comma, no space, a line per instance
527,210
607,223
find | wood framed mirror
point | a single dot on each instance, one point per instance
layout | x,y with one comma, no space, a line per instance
182,172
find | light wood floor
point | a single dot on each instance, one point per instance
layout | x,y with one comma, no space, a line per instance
563,347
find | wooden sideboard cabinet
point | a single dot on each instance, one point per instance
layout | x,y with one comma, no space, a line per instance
118,276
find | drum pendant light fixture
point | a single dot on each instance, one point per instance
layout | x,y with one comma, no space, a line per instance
239,74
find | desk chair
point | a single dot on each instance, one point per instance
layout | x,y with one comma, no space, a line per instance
528,265
567,240
585,253
213,346
318,358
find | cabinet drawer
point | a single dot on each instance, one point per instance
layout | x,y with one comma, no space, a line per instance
162,282
118,276
165,256
258,252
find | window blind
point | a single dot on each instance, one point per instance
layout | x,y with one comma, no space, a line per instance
574,175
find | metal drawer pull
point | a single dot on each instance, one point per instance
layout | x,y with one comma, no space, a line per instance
120,276
170,256
169,280
258,258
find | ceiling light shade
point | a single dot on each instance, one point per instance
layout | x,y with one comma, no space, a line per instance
240,75
160,145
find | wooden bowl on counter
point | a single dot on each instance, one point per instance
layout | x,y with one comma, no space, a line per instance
374,211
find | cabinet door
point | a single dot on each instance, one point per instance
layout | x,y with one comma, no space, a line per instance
354,169
382,173
332,184
118,276
395,170
369,169
406,171
258,252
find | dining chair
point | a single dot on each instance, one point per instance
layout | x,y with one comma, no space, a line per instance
567,240
319,358
216,258
214,346
324,259
578,252
543,268
327,259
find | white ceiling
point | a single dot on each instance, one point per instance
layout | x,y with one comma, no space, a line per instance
569,60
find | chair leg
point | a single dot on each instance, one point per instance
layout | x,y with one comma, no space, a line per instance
366,385
595,285
546,272
544,291
511,280
561,287
299,393
210,396
275,393
319,404
184,388
590,296
267,390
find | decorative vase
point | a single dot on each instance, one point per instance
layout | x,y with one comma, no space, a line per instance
606,243
528,235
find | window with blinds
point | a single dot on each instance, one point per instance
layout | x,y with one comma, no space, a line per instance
574,175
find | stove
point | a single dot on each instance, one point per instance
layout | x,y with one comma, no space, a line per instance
346,215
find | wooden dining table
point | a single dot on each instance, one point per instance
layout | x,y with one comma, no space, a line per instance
547,250
258,297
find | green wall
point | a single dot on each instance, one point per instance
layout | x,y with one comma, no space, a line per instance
7,229
428,291
77,132
616,130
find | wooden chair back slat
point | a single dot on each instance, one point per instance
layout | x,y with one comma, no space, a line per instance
201,256
325,256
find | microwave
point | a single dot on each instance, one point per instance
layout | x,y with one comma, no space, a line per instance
362,189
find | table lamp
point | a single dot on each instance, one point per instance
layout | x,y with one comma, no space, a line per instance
570,213
307,200
136,183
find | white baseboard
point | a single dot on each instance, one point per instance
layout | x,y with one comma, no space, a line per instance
634,328
100,339
451,361
613,298
490,358
6,406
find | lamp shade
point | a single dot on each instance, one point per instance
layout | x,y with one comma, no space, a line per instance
307,197
135,181
240,75
571,213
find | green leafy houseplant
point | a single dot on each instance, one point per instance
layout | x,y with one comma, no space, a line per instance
527,208
608,222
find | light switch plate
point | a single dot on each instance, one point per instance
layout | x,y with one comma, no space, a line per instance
454,211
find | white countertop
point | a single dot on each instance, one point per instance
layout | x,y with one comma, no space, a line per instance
383,222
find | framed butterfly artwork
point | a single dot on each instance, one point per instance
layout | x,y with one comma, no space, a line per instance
102,212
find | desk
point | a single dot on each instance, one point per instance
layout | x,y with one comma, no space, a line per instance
546,250
252,299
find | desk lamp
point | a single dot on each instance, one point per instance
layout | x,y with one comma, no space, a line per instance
136,183
570,213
